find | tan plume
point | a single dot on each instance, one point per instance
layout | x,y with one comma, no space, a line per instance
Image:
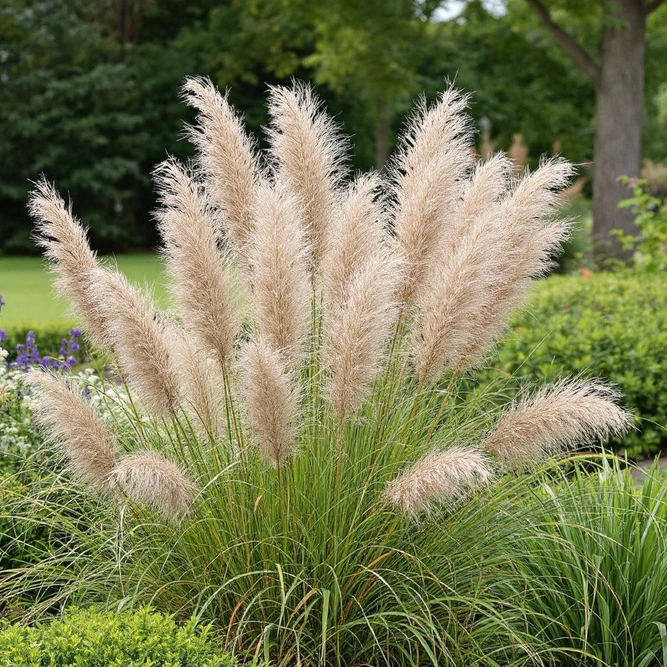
441,477
564,415
137,332
354,236
308,151
357,331
74,428
148,478
433,160
281,298
480,280
271,400
202,384
202,281
226,156
66,244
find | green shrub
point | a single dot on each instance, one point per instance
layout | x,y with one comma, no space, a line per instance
651,217
606,325
594,569
90,638
48,338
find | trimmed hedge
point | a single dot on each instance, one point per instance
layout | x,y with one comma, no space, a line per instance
90,638
607,325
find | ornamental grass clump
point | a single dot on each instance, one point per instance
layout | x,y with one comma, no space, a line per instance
291,464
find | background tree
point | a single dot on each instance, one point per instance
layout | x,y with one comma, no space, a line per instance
616,72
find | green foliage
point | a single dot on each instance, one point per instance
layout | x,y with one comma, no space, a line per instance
609,325
650,245
91,638
594,568
521,83
303,564
48,338
91,113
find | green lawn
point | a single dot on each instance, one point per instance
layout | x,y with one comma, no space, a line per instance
25,283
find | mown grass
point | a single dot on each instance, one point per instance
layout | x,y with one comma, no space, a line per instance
25,283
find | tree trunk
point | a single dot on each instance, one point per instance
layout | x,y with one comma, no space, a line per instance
620,104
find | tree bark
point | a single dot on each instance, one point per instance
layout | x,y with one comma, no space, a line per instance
620,105
618,79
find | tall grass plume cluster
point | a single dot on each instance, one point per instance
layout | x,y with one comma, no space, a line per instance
295,462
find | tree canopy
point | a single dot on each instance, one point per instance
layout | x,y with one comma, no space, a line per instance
89,90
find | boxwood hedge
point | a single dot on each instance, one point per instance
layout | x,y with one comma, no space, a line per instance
607,325
91,638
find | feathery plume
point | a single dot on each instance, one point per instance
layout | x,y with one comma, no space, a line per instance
271,400
353,237
277,256
472,291
148,478
484,190
66,244
444,477
448,309
74,428
358,330
432,161
226,156
136,331
201,388
201,274
530,238
308,150
559,417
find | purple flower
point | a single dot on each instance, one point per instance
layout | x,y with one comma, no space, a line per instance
2,302
3,335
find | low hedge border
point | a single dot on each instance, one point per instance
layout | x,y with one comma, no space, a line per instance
607,325
93,638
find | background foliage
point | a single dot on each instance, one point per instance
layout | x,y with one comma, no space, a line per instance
89,88
612,326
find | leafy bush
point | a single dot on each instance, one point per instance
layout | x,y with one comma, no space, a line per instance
651,217
91,638
594,568
602,325
28,346
295,471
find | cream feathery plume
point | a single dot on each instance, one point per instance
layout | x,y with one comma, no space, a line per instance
66,244
441,477
485,189
277,254
137,333
227,157
356,333
308,150
202,384
530,238
201,273
354,236
448,310
74,428
556,418
432,162
148,478
471,294
271,400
